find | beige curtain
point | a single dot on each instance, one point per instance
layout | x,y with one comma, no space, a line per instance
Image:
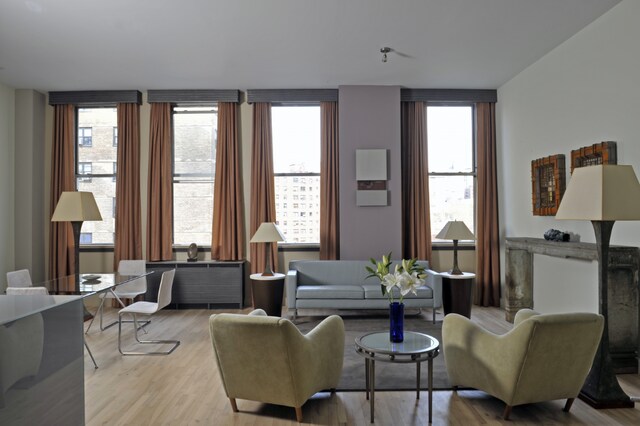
416,222
160,185
61,250
263,205
227,237
128,239
329,184
487,235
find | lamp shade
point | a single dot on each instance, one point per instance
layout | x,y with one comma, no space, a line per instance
455,230
75,206
602,192
267,232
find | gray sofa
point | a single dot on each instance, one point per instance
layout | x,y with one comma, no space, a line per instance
342,284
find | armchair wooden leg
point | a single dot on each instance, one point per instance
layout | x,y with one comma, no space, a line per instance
299,414
234,407
507,412
567,406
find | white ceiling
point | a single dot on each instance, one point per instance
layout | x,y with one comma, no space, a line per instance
262,44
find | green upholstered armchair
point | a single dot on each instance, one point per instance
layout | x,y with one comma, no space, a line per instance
267,359
544,357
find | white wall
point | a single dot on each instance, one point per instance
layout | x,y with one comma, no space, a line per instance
29,183
7,194
585,91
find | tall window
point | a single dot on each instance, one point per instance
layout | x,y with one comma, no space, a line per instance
452,170
296,164
95,171
195,135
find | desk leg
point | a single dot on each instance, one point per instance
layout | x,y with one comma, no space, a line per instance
90,354
418,380
372,383
430,388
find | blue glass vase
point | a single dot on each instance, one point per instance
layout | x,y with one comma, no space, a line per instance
396,322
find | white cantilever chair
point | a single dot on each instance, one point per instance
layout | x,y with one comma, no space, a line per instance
128,290
19,283
20,278
149,308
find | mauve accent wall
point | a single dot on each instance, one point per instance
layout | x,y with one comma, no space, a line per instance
369,118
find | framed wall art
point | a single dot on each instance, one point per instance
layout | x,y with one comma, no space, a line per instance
548,184
598,153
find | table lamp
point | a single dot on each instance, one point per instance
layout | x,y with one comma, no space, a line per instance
76,207
455,230
268,232
602,194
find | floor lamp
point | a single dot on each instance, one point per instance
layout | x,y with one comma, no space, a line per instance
602,194
455,230
76,207
267,232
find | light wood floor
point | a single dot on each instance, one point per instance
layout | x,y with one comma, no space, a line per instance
184,389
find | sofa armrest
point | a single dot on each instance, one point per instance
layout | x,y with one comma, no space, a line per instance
434,280
291,285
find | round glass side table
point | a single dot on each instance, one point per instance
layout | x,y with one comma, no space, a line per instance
416,347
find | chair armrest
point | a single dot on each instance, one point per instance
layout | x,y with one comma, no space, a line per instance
434,280
480,359
523,314
318,357
291,285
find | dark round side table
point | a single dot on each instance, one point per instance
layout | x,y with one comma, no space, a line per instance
457,293
266,293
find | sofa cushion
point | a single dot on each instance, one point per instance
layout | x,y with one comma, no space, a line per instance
330,292
373,291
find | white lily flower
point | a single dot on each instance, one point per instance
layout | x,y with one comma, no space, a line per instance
406,284
389,281
406,276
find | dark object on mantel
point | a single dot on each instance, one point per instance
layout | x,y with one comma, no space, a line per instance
555,235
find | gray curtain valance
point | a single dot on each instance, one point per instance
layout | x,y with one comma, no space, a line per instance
193,96
95,97
292,96
448,95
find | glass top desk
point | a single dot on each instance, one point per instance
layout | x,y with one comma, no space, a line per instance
42,360
90,284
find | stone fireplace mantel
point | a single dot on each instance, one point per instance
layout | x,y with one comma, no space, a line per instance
624,307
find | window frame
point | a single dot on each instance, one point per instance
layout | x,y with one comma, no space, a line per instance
175,177
84,137
89,177
283,246
84,177
437,244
